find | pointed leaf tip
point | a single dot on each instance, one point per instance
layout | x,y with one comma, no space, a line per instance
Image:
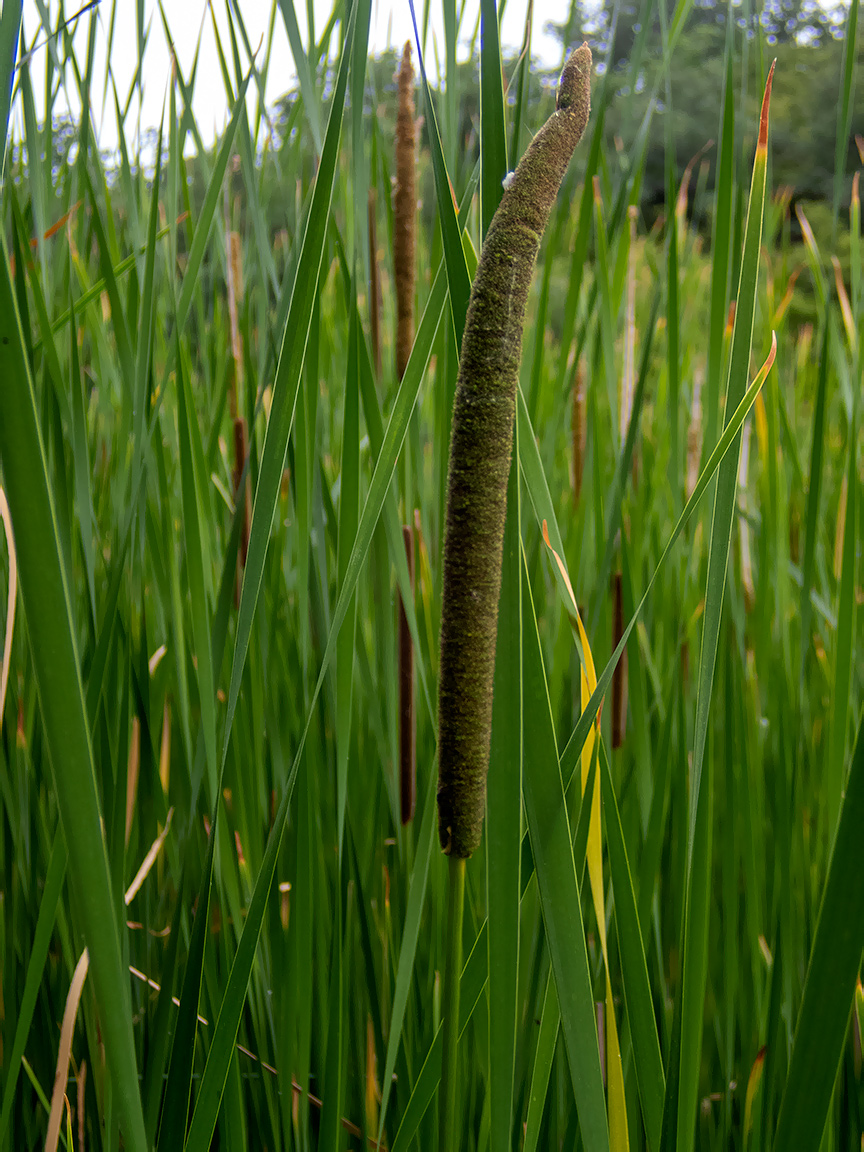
763,118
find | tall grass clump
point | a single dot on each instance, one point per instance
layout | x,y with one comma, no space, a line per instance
228,379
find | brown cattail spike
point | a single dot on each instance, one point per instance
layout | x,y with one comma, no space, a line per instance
404,214
480,447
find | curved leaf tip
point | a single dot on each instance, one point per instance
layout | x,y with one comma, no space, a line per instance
763,116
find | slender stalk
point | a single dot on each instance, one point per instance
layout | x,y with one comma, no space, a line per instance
619,679
448,1131
374,282
405,214
407,710
578,430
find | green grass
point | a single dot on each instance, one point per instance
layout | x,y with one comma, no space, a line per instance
166,655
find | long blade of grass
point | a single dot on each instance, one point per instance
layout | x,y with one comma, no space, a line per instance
286,385
647,1061
304,72
405,969
721,244
618,1133
842,691
458,279
35,968
844,106
204,223
547,1040
552,846
829,988
539,492
493,141
146,319
10,23
727,479
623,468
195,561
11,604
550,1019
694,968
813,493
473,982
285,389
503,817
57,667
178,1088
158,1051
349,511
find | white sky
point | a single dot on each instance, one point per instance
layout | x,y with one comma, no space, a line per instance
189,19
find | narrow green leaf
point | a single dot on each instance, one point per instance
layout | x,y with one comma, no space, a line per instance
178,1088
539,493
493,141
308,91
458,279
503,818
408,947
208,211
647,1061
550,1018
843,660
694,968
559,887
195,560
845,106
10,23
813,493
161,1036
57,667
474,976
547,1038
721,245
288,374
330,1132
35,968
829,988
349,511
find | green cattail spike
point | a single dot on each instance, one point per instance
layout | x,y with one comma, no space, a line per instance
480,449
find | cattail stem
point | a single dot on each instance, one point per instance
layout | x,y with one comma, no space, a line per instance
235,295
241,446
448,1130
619,676
694,433
407,714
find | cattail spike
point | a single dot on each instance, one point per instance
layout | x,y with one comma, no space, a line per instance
480,448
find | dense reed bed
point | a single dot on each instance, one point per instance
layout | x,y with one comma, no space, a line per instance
217,753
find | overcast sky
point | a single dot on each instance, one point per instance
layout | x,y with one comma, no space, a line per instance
191,19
